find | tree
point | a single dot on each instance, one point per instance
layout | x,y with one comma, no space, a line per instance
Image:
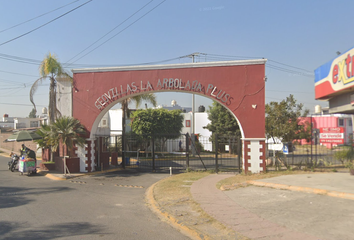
46,142
283,120
50,68
222,121
65,130
158,124
149,97
32,114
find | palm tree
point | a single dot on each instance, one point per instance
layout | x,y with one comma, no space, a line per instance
67,130
45,142
49,68
148,97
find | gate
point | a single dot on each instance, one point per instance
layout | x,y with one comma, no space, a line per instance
183,153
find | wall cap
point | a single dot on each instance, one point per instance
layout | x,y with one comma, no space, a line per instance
172,66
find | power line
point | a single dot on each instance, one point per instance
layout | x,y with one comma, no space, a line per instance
291,66
121,31
10,81
303,72
122,65
229,56
19,74
289,91
38,62
29,20
44,24
110,31
19,60
289,71
21,104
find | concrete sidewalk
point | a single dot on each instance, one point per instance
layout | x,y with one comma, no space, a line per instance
235,208
339,185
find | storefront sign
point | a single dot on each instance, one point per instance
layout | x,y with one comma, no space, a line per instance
335,75
332,135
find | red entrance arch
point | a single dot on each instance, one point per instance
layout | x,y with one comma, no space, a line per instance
237,85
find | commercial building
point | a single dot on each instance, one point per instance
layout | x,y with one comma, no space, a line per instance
334,82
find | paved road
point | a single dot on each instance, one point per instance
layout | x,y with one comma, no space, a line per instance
89,207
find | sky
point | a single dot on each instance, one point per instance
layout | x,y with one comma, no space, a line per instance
295,37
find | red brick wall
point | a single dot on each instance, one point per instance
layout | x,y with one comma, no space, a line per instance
15,146
72,163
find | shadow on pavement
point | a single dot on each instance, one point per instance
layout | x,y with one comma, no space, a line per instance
9,230
15,196
126,173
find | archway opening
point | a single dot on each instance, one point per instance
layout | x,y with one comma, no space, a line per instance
171,150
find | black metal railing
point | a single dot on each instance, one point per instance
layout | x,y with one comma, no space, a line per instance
182,152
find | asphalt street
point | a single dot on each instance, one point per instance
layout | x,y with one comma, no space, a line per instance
110,206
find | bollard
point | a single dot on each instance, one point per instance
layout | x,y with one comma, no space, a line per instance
170,171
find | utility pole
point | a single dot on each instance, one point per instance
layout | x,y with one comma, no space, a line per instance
193,104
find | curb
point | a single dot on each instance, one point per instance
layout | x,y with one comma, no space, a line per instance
163,215
51,176
343,195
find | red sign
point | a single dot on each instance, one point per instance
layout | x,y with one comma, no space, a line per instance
332,135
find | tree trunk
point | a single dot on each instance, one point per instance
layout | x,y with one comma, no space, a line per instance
52,100
51,156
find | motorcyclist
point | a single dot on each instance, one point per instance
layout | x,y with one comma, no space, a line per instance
24,150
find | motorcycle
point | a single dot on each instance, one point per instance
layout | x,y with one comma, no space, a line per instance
14,162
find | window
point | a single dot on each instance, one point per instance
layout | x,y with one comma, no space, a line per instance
340,122
104,122
34,124
188,123
350,122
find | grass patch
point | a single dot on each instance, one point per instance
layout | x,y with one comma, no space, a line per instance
173,186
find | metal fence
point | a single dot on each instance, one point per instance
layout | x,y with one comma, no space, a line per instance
220,154
308,156
181,152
